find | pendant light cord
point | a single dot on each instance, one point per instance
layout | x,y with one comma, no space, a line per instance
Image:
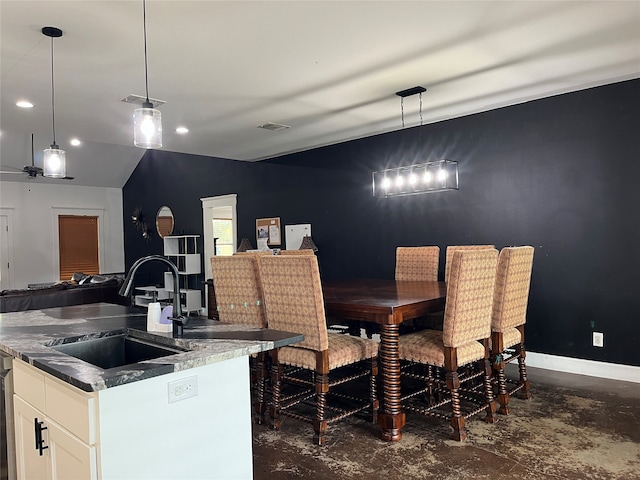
53,104
146,73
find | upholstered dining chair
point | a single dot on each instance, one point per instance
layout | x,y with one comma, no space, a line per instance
294,302
510,300
306,251
453,248
463,341
417,263
239,300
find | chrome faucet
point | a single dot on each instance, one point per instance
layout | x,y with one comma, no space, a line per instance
178,319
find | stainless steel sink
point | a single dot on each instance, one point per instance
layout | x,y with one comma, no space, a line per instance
116,350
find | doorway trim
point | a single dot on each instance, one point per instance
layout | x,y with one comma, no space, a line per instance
209,204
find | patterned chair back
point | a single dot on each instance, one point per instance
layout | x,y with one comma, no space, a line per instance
511,295
293,298
453,248
417,263
467,313
257,253
306,251
238,290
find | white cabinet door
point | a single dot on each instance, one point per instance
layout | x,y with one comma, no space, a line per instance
70,458
64,457
29,463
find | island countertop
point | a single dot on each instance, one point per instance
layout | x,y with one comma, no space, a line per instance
29,335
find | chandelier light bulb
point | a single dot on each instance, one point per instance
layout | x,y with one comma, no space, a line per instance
413,179
399,181
386,183
427,177
442,175
147,128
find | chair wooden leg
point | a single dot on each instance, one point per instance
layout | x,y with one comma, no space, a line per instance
261,374
276,384
457,420
491,416
498,364
373,391
320,424
503,394
522,367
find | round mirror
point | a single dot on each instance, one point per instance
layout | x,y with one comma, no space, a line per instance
164,221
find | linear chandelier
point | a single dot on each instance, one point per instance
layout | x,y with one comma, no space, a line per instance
429,177
437,176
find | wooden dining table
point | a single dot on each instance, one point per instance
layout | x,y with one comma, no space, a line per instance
387,303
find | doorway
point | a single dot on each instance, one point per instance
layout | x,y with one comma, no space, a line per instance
222,207
5,264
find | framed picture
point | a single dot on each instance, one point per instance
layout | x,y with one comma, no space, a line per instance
268,229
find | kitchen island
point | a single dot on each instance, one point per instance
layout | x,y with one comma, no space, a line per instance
184,415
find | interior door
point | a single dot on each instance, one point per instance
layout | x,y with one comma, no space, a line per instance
4,253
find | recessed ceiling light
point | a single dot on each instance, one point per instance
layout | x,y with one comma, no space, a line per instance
182,130
24,104
75,142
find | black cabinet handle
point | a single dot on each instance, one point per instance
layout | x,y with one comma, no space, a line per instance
39,427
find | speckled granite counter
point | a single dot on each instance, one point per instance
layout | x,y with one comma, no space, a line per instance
28,336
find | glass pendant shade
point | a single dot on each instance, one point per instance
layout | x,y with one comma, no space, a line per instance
147,127
54,162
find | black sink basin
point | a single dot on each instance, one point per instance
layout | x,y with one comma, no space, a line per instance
116,350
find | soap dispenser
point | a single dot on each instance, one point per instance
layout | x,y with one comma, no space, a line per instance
153,316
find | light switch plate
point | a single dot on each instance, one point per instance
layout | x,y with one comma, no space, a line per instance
598,339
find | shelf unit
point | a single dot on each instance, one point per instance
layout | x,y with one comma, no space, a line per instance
182,251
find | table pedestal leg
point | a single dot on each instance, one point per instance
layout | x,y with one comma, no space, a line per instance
392,419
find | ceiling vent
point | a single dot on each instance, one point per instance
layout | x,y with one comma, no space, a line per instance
139,100
274,127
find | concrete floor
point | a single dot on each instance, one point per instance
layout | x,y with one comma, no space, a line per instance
573,427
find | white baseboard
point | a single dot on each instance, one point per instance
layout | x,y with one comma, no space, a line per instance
613,371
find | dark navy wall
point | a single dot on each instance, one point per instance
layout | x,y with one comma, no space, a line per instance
558,173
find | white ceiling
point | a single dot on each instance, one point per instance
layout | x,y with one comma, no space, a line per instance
328,69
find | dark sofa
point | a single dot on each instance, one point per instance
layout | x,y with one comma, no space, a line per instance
92,289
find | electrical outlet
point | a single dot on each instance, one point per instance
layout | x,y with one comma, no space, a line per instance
598,339
182,389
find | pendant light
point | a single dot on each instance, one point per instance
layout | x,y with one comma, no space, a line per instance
54,160
147,121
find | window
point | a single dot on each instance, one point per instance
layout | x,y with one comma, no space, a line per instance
223,233
78,243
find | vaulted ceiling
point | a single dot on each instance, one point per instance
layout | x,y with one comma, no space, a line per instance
327,69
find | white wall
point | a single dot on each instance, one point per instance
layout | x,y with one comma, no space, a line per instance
32,211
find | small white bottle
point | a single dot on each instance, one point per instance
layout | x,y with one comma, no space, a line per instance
153,316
